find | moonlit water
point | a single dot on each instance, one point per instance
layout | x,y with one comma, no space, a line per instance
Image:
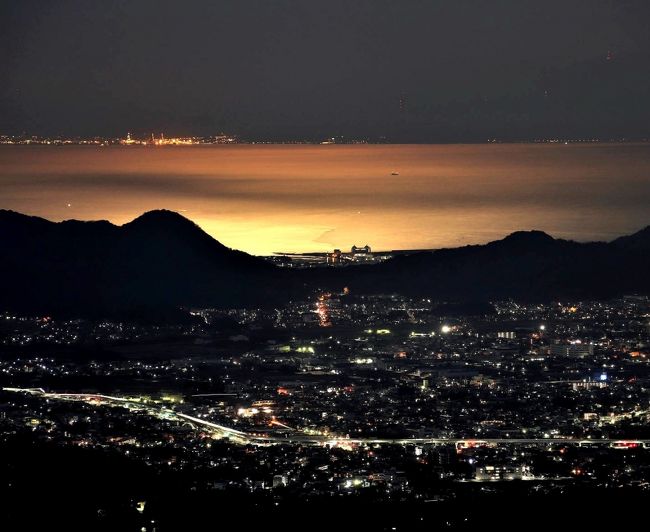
269,198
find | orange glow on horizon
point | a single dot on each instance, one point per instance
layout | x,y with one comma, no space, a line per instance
264,199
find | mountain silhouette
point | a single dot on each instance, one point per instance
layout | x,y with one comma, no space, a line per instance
161,260
639,241
526,265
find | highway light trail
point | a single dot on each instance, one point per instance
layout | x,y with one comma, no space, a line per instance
244,437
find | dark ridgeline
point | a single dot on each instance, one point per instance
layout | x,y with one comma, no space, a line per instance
158,261
526,266
162,260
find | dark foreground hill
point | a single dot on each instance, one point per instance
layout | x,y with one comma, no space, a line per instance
526,265
157,261
162,260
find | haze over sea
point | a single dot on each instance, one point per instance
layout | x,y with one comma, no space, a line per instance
266,198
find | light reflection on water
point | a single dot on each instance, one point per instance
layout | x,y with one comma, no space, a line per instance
309,198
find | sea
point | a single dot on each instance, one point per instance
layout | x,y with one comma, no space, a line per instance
300,198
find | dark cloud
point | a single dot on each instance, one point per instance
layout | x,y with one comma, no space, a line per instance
466,69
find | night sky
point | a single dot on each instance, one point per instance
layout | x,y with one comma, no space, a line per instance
463,70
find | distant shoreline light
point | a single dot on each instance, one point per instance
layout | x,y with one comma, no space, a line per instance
223,138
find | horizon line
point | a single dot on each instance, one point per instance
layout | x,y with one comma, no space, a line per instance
318,253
